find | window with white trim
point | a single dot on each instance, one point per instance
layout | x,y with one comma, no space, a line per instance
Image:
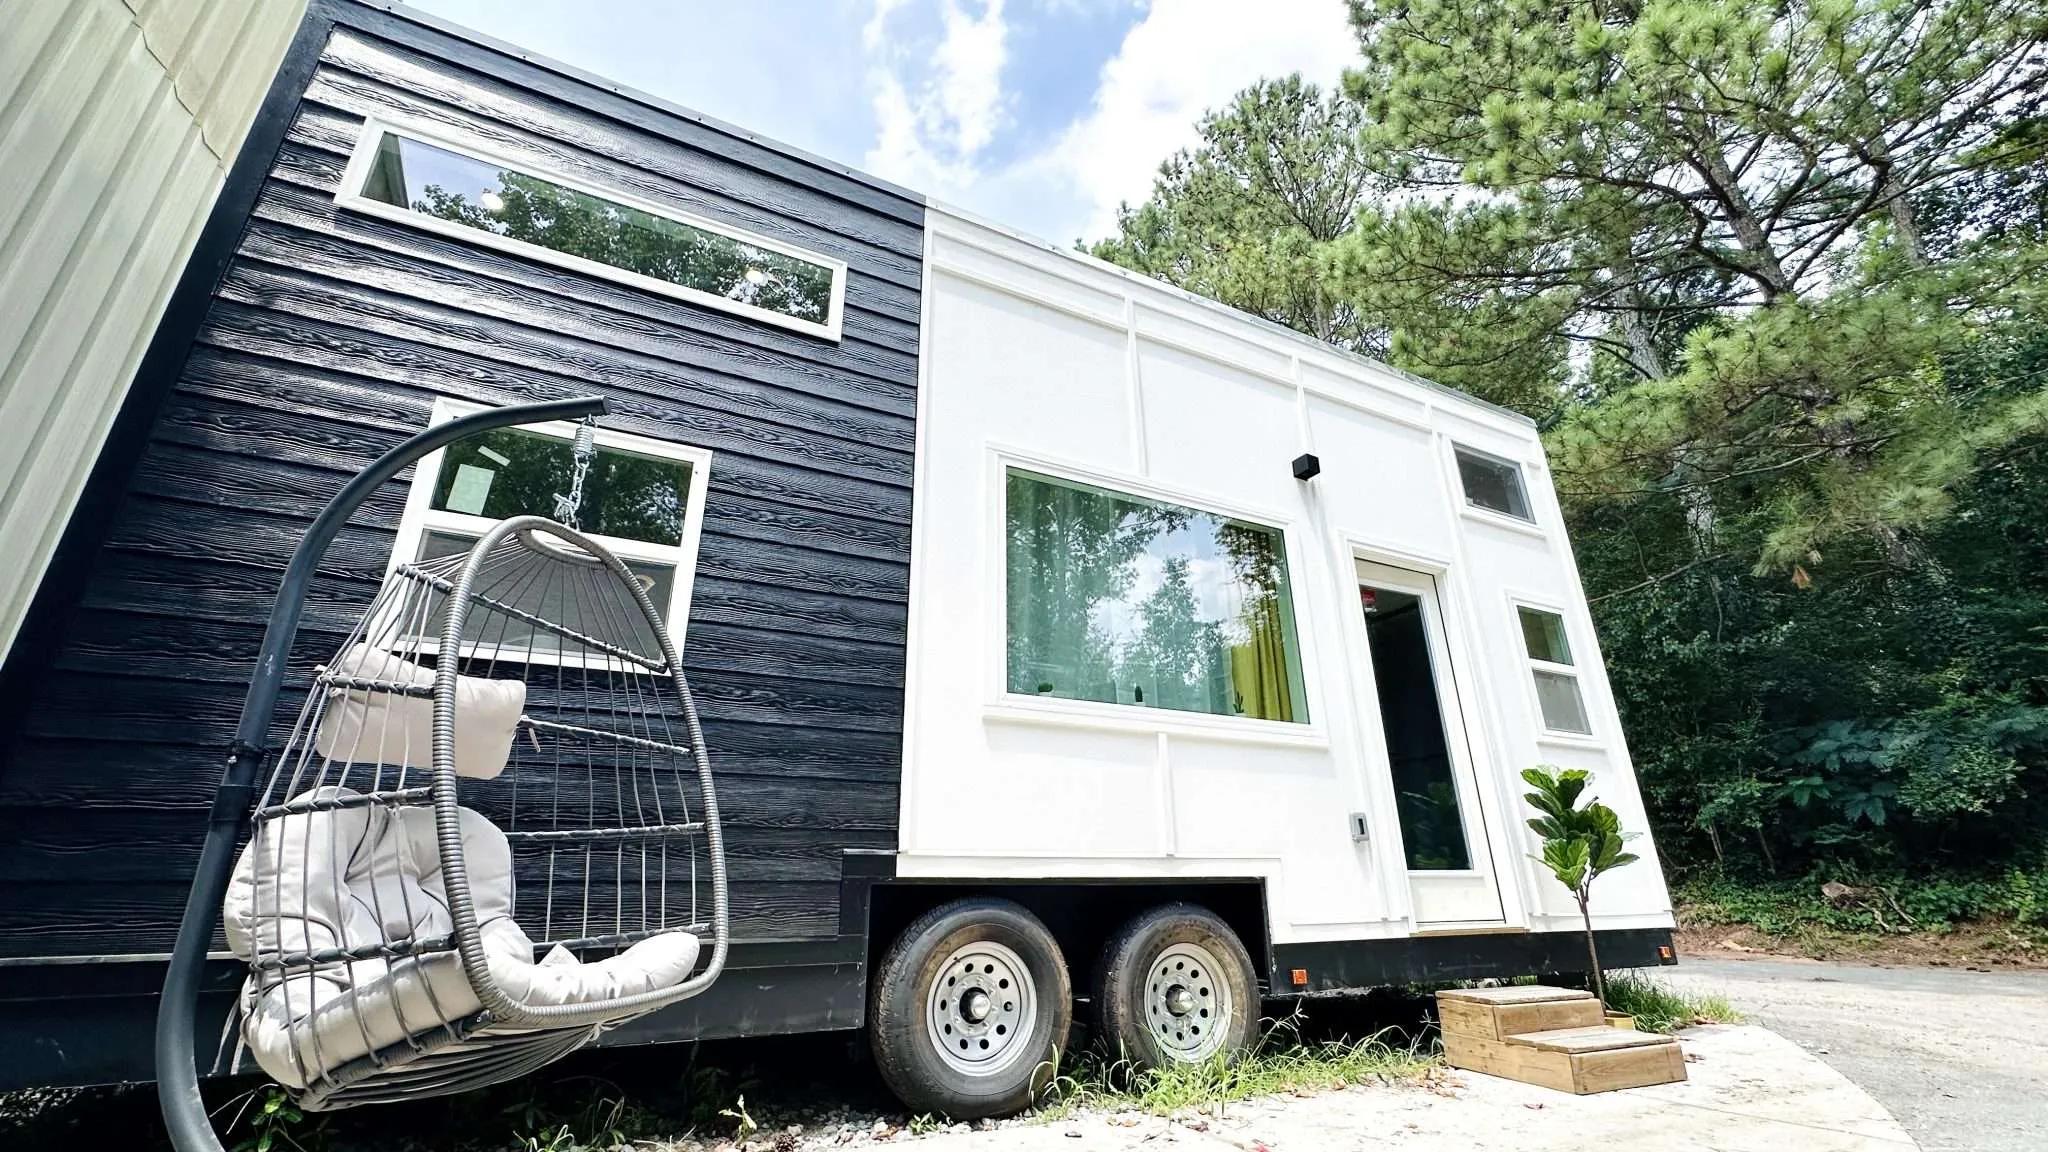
467,193
1122,599
1492,483
643,499
1558,698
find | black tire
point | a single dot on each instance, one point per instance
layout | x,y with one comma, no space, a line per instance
1137,1019
902,1027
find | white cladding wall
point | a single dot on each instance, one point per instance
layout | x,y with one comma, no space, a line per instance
1035,355
118,122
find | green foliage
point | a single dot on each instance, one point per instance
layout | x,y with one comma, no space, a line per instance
1245,217
742,1121
1884,715
1658,1008
1579,844
1881,902
1723,198
270,1122
597,1122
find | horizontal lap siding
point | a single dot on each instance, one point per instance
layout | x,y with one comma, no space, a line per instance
330,338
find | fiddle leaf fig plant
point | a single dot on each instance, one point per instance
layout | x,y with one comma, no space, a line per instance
1579,844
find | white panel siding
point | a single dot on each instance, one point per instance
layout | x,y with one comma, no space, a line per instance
1033,354
118,122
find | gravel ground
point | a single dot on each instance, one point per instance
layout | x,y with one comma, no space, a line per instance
1959,1057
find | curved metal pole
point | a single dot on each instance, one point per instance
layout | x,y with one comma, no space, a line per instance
177,1072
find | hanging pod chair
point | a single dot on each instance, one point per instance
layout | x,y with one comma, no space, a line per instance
490,834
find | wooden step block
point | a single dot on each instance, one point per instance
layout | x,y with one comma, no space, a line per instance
1576,1060
1512,994
1498,1013
1593,1038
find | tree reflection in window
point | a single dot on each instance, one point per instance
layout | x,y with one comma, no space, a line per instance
1123,600
460,189
509,472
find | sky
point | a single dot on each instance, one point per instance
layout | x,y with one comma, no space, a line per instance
1042,115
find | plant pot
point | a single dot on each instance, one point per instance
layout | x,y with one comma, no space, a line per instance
1621,1020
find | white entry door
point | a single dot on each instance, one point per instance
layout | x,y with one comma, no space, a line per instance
1451,875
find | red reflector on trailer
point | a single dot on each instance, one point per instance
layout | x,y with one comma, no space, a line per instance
1300,977
1666,955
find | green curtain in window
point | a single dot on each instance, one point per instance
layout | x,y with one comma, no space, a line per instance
1258,667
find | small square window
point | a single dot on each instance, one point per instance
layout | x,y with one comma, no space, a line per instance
642,498
1563,710
1493,483
1543,633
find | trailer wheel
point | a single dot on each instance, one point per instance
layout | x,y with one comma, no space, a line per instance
971,1006
1176,987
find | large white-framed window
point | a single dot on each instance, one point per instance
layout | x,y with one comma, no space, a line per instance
465,190
1116,602
643,498
1553,672
1492,483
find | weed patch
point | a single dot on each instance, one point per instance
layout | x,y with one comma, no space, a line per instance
1658,1008
1280,1062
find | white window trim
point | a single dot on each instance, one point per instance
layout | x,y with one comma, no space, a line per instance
1531,666
1502,521
1472,507
421,516
1001,704
350,196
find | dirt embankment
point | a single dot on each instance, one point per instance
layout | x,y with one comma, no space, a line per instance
1985,946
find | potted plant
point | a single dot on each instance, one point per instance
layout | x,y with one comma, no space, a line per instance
1579,844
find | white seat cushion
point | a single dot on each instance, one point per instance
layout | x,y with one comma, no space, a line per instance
362,726
365,876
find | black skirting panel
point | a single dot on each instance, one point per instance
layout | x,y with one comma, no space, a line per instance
70,1025
307,339
1342,964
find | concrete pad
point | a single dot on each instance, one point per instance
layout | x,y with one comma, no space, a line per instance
1959,1057
1750,1091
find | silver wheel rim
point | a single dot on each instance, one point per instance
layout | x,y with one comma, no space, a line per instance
980,1009
1188,1005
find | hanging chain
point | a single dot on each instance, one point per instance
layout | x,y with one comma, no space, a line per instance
569,508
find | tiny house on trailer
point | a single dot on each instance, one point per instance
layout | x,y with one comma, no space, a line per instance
1058,635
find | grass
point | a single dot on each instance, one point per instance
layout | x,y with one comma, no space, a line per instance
1280,1062
1658,1008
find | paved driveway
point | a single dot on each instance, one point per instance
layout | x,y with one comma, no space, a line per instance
1960,1058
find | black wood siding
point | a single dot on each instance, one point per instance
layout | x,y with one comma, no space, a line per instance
327,342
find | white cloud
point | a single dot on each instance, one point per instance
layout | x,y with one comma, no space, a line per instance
940,102
1184,58
930,132
872,33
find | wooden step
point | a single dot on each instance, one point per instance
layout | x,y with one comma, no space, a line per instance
1498,1013
1593,1038
1553,1037
1512,994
